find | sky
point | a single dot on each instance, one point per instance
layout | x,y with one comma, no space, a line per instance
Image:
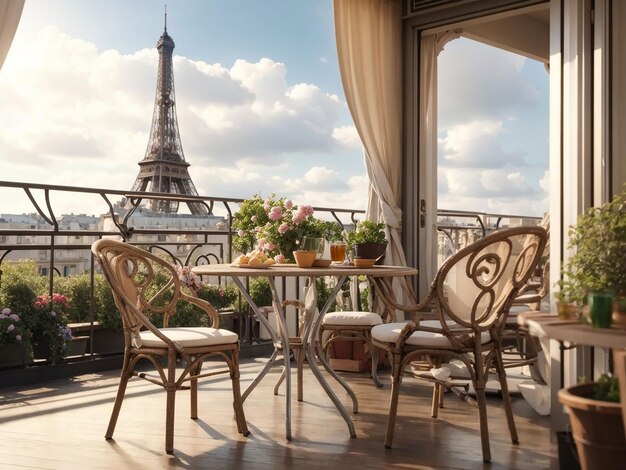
260,106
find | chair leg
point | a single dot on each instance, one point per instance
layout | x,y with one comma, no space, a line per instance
396,375
170,388
300,365
375,378
484,430
121,390
240,417
504,386
193,383
280,380
434,407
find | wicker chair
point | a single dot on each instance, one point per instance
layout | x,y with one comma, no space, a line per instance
132,273
472,292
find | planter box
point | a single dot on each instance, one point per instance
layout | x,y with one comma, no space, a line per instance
13,355
78,346
227,320
107,341
348,356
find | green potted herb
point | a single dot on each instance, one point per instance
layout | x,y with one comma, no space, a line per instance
597,266
368,240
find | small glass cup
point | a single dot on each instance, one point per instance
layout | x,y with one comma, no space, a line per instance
338,252
600,309
313,244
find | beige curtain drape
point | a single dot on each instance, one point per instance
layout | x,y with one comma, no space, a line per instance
10,13
369,47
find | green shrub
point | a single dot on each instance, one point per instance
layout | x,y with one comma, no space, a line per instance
20,286
106,311
78,289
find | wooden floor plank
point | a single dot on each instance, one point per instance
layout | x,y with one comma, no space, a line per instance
61,424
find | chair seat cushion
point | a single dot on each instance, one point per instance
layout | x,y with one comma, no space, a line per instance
189,337
352,318
389,332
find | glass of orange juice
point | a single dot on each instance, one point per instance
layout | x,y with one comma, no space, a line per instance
338,251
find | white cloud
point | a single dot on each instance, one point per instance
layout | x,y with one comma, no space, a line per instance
86,114
348,137
481,82
476,144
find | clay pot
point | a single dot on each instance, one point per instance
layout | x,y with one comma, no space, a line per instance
304,258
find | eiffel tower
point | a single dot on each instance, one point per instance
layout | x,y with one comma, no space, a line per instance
164,169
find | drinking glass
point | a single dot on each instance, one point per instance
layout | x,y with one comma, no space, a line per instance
600,309
338,251
313,244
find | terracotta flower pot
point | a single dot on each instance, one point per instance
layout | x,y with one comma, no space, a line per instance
597,427
304,258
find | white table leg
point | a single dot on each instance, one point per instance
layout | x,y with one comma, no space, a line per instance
311,334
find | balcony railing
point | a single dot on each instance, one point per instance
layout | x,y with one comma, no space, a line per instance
60,246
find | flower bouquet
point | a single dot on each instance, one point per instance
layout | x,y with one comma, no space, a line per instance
273,225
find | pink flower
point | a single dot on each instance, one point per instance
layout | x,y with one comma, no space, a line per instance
271,246
6,311
241,233
253,218
14,317
283,228
288,204
267,206
297,218
11,327
53,313
18,337
279,258
275,213
307,210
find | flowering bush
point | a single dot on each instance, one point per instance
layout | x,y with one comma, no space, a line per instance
188,278
12,328
274,225
48,325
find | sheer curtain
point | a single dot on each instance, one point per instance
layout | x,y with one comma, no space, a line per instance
10,13
369,47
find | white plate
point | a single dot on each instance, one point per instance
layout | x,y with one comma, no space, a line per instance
252,266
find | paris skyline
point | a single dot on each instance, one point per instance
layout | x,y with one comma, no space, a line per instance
260,105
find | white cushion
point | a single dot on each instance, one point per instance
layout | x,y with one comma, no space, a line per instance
189,337
352,318
389,332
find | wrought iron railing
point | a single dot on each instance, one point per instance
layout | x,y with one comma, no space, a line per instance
64,249
61,249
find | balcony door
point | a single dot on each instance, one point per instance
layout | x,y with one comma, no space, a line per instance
512,26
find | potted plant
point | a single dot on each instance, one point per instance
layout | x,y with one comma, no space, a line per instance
599,241
368,240
47,322
595,415
15,349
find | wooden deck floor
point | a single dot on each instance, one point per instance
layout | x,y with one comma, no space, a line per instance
61,424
